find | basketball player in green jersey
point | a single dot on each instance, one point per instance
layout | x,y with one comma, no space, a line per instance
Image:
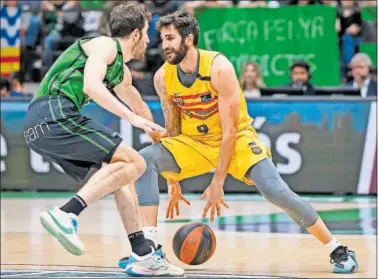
93,69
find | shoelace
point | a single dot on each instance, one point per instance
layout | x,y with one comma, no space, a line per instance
163,255
339,255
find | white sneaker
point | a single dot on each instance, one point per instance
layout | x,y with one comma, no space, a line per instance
63,226
151,265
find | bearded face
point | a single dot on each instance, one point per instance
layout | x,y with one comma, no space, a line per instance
174,46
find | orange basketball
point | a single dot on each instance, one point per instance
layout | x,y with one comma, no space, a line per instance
194,243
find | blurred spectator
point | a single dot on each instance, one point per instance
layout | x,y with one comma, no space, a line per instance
16,84
304,2
350,23
361,65
368,3
4,87
189,6
333,3
159,8
13,87
31,38
374,74
61,18
31,22
258,3
300,74
251,80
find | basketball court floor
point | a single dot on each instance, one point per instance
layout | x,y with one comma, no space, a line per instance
254,239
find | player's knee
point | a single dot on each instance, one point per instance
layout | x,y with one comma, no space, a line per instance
149,156
271,189
140,165
137,162
117,166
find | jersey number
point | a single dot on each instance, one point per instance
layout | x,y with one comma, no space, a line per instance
203,128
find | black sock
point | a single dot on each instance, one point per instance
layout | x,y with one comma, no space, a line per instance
139,244
75,205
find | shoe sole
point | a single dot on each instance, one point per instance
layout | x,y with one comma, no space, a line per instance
342,271
123,264
50,226
135,271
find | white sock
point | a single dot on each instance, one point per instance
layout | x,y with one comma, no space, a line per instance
151,233
333,244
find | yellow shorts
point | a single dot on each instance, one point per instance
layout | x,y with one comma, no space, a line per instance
195,158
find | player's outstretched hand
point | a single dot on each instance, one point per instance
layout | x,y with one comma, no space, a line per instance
215,197
148,126
174,196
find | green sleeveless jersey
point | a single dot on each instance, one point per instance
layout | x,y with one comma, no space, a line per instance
66,75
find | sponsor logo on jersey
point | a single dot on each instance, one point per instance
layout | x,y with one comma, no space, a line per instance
206,98
206,112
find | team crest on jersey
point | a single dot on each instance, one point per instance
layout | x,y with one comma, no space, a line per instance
206,98
255,148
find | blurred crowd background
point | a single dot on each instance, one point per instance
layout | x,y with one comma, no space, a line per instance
35,33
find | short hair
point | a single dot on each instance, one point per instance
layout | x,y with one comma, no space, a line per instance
125,18
184,22
300,64
4,83
361,58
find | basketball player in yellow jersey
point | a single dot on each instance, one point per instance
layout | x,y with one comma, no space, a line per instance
209,129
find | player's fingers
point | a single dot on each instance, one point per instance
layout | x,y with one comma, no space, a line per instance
224,204
212,213
148,130
205,210
177,209
186,201
163,134
218,209
156,127
168,210
171,211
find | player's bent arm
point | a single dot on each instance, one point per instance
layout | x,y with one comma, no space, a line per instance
171,111
94,73
130,95
225,82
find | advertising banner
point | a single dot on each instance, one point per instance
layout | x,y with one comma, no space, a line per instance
322,146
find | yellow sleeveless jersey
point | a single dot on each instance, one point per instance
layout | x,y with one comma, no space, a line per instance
200,117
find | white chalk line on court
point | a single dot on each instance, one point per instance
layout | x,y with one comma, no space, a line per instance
21,273
106,274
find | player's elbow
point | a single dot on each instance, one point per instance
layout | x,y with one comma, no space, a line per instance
87,88
90,88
